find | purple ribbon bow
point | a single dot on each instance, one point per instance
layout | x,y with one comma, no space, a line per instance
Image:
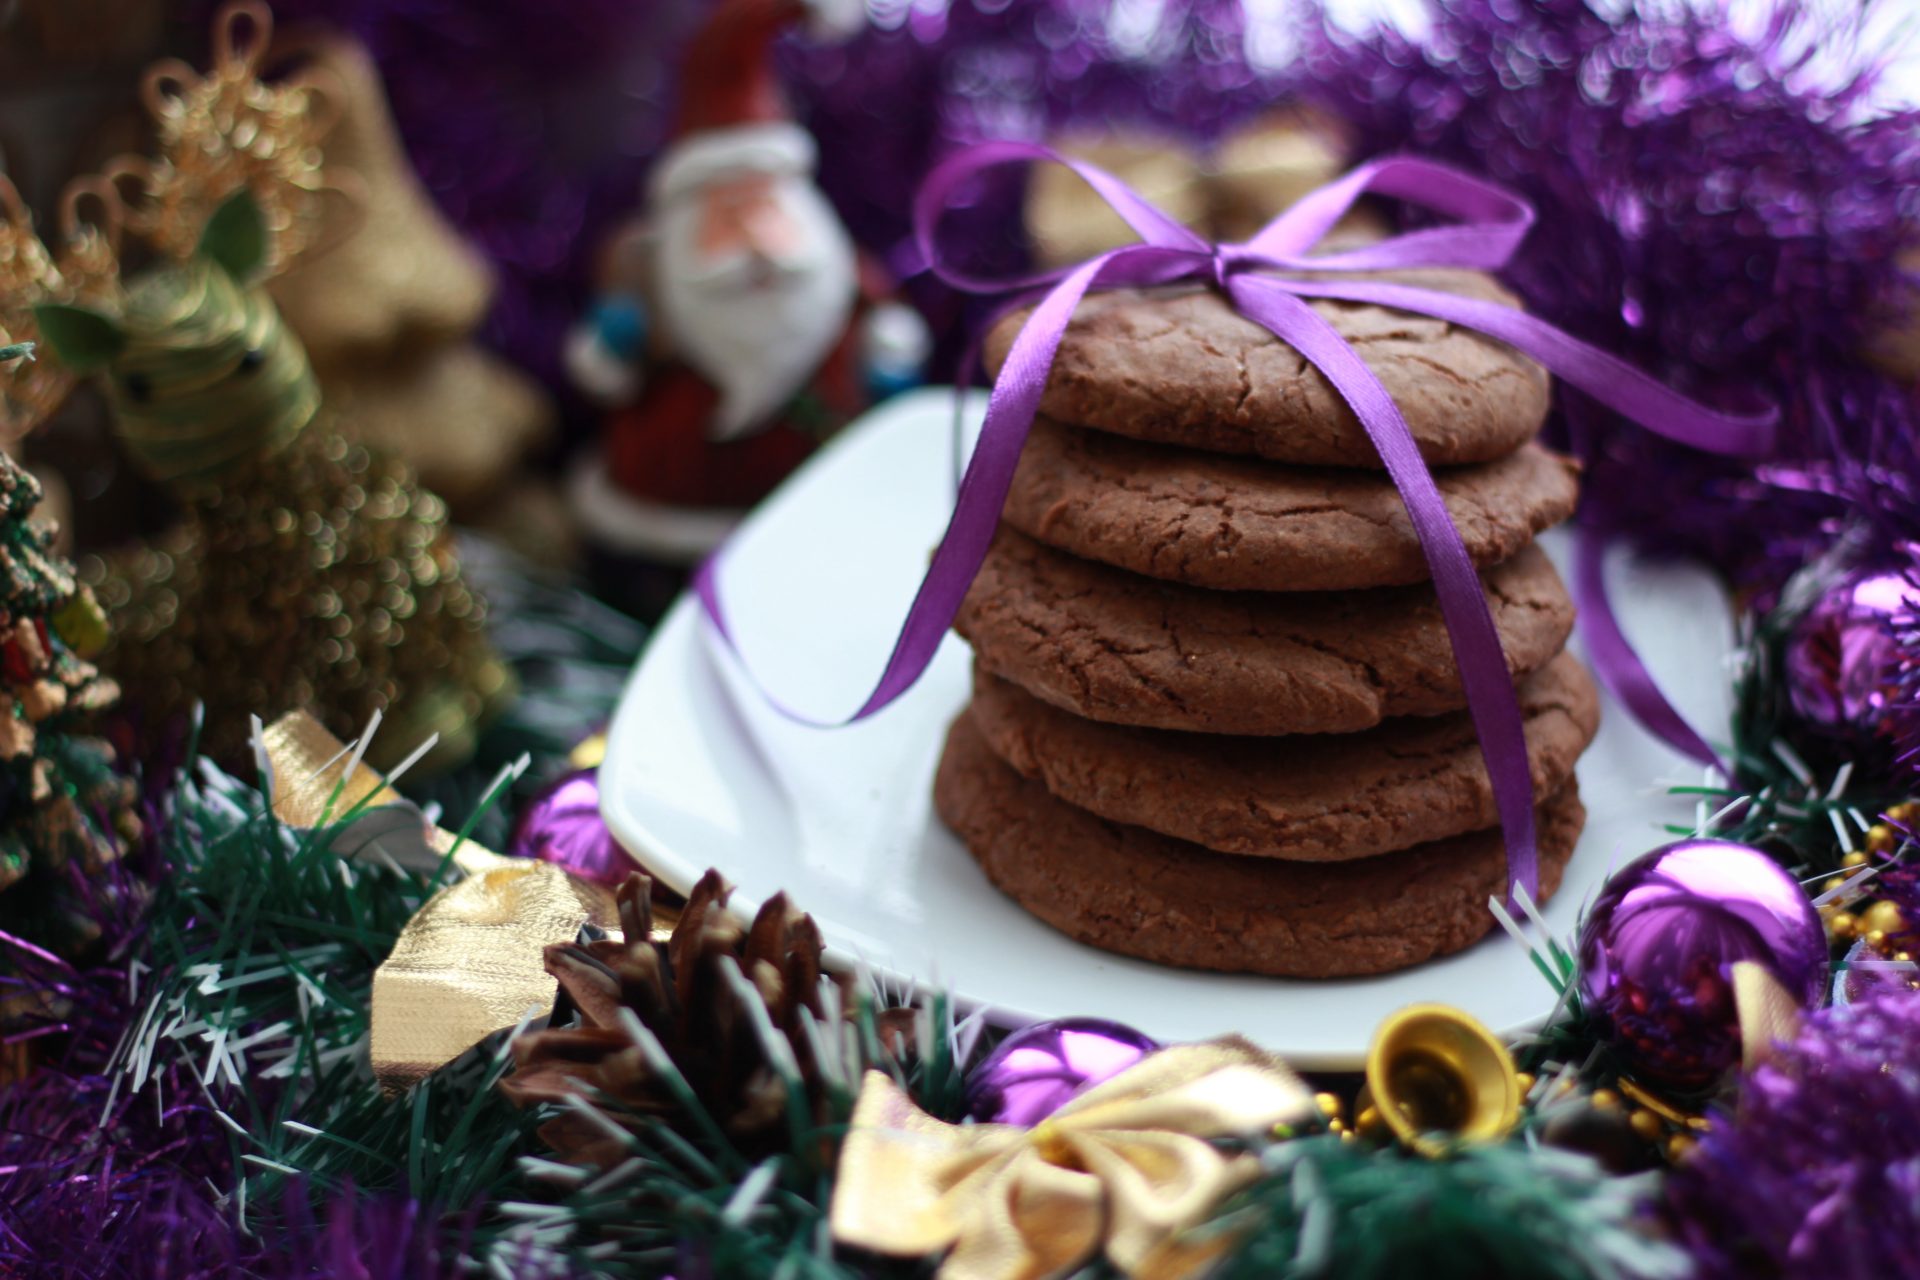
1487,223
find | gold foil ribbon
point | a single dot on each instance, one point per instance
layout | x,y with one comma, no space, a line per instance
472,960
308,765
1125,1168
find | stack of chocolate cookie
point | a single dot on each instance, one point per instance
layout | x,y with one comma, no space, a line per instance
1216,718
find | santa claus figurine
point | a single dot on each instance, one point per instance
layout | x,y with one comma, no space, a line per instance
737,325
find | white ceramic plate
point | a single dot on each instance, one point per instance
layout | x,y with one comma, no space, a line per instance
701,772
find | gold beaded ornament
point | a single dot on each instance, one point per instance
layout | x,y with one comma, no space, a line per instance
306,572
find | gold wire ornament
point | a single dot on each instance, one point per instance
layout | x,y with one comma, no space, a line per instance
230,129
217,134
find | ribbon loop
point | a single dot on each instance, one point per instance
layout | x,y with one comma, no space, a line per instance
1608,379
1491,221
938,194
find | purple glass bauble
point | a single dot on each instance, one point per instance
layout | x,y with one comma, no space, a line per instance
563,825
1658,947
1040,1068
1844,658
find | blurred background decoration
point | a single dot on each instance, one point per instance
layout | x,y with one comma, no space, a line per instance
388,316
531,128
514,138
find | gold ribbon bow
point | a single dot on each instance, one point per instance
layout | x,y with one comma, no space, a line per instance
1125,1167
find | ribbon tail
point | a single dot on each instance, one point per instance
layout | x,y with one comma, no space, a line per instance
1626,390
1608,379
957,420
1484,676
976,510
1619,666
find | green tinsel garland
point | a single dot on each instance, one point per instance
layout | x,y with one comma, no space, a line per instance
572,656
1327,1207
262,946
686,1191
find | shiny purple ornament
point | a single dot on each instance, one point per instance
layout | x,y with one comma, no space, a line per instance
562,825
1040,1068
1846,660
1658,947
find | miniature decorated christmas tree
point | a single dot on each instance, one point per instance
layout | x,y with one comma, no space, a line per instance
61,802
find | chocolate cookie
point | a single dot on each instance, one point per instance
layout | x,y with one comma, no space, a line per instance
1114,646
1311,798
1181,366
1137,892
1241,524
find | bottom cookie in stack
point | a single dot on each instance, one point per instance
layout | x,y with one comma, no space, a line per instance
1140,893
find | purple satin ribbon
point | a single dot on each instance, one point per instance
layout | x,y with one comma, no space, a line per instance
1487,223
1619,666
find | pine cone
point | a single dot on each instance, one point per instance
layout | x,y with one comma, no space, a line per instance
679,990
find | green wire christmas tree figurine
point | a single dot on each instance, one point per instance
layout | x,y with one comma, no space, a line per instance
60,799
307,572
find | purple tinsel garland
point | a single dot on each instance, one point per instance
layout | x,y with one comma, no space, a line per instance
1716,216
1906,631
92,1182
1817,1172
101,1183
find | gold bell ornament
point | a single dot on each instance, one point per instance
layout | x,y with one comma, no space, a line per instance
1267,164
1070,223
388,316
1438,1079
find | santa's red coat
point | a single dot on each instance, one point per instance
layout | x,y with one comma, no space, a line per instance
659,448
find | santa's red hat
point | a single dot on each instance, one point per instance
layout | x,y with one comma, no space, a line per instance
733,117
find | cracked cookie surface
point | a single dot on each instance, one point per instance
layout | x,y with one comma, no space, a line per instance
1312,798
1181,366
1244,524
1114,646
1136,892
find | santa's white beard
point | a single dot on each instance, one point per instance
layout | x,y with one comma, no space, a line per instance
757,329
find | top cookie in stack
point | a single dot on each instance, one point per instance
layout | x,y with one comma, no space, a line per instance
1217,720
